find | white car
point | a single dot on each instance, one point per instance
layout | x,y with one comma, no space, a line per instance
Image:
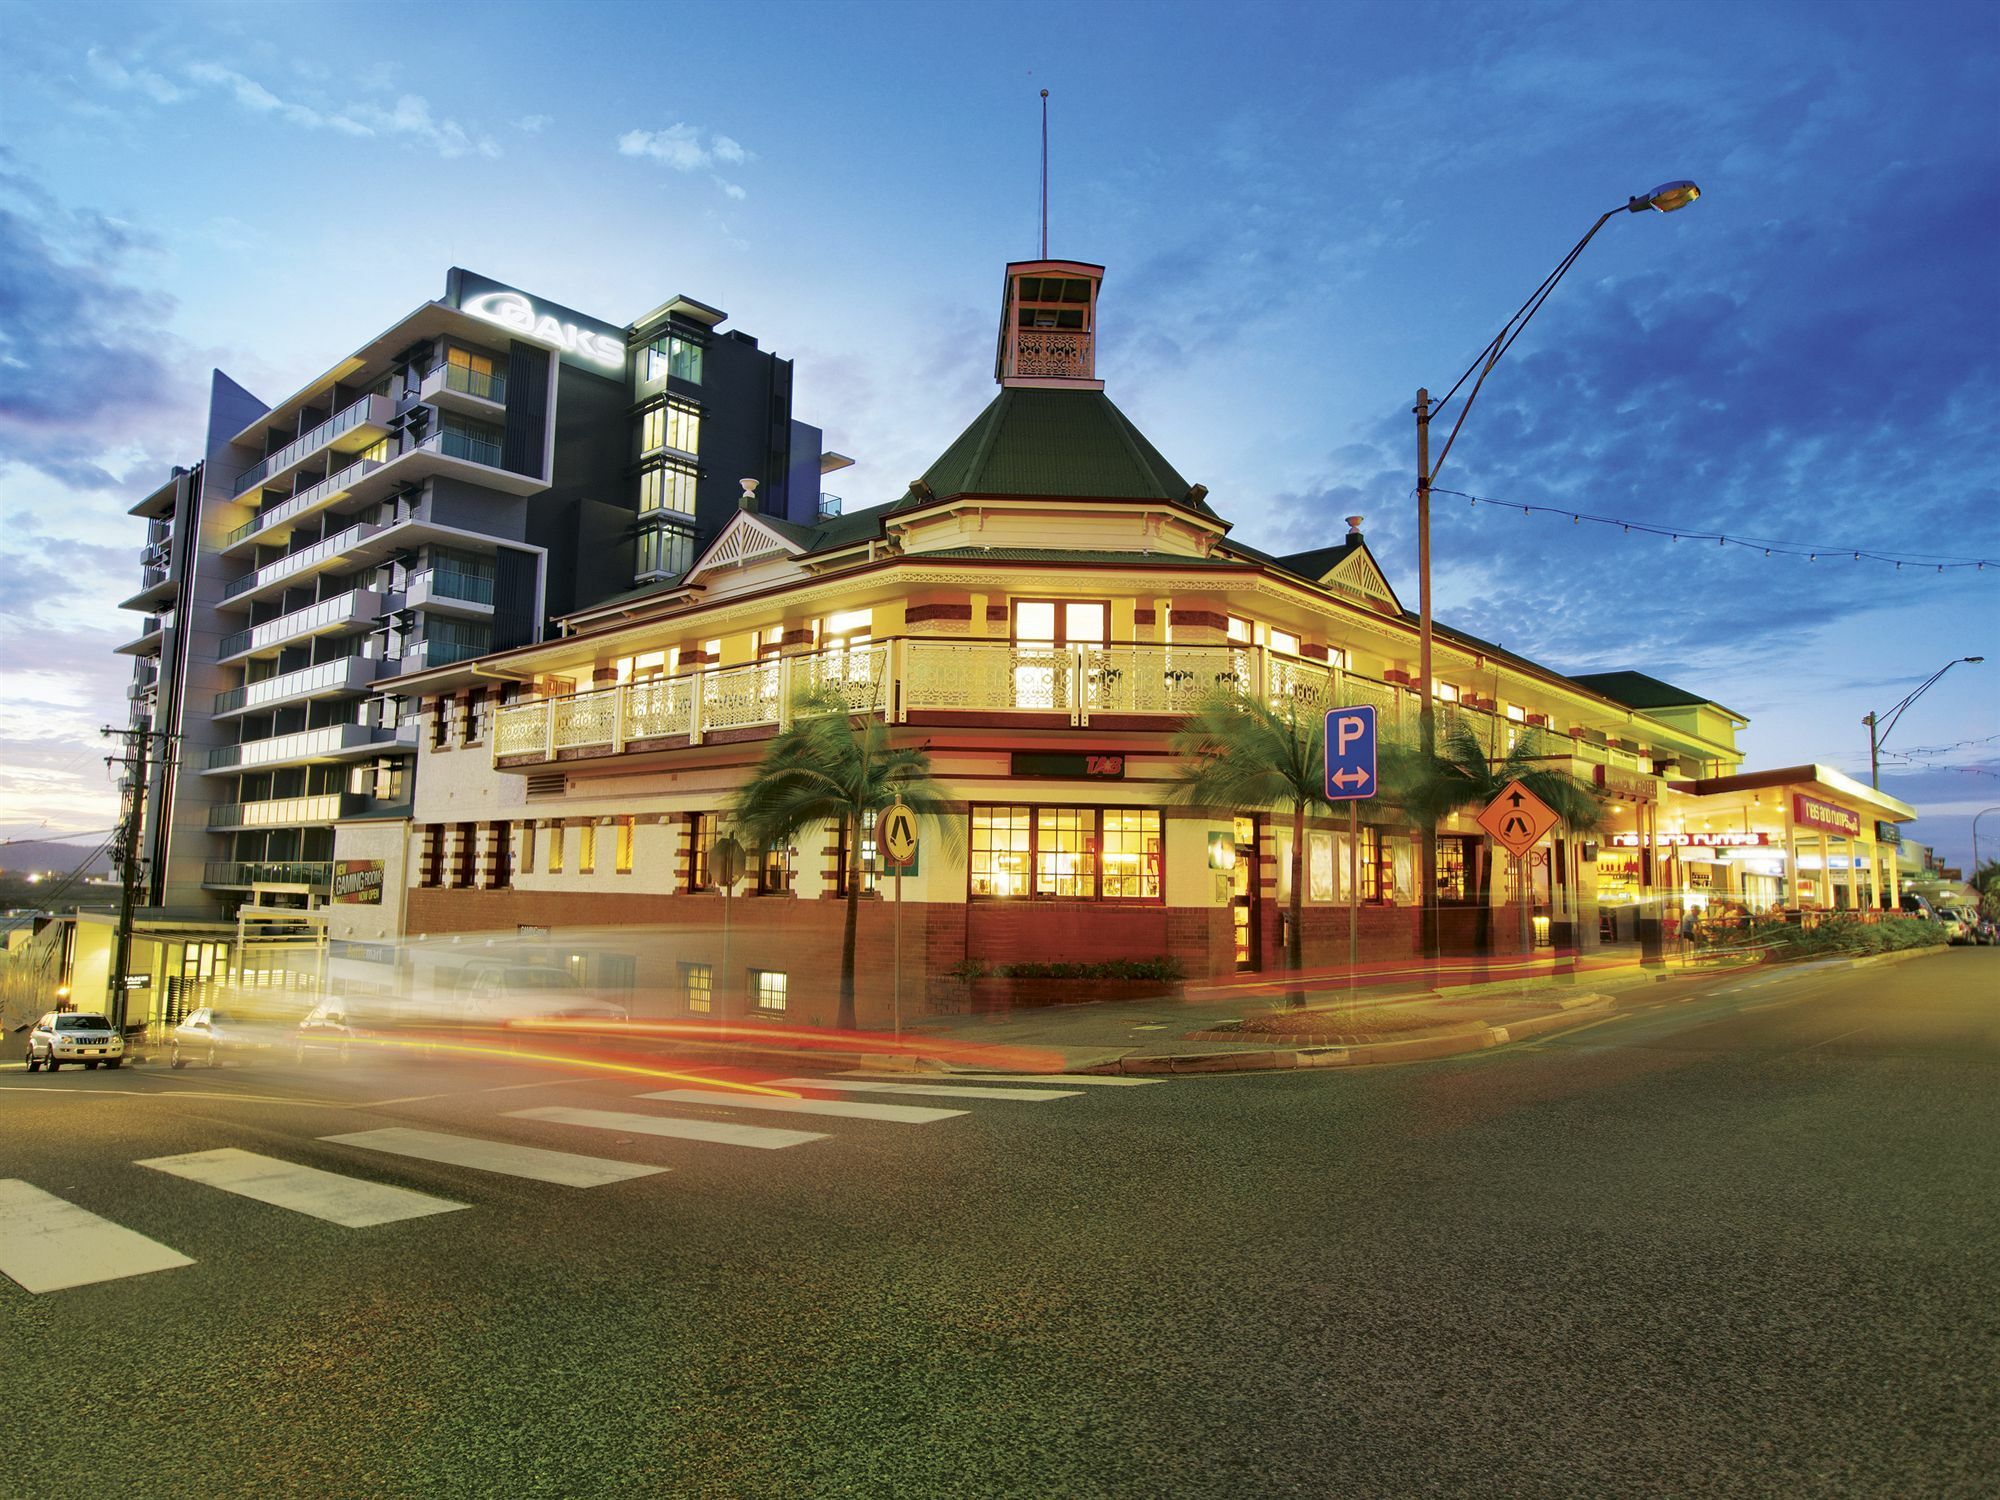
74,1036
212,1035
497,994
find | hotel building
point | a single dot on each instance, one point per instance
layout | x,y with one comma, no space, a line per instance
1040,610
487,462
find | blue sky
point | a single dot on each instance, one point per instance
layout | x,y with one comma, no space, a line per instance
1306,212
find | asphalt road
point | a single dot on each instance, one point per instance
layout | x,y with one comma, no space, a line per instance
1745,1241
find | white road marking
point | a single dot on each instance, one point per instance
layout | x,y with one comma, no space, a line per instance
928,1090
47,1244
1093,1080
563,1168
718,1131
898,1114
347,1201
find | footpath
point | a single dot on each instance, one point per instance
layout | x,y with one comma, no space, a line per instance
1251,1028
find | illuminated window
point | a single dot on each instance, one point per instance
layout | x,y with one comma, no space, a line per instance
1002,841
1377,878
1065,851
1455,864
586,852
701,843
767,989
1239,630
664,552
771,642
1444,692
1131,854
674,425
528,847
869,875
624,854
698,988
674,356
667,486
1517,714
774,871
557,836
1060,622
1285,642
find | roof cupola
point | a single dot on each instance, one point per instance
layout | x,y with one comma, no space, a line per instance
1048,326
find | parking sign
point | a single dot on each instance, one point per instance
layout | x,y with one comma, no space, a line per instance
1350,753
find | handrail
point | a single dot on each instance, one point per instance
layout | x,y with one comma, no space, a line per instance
346,419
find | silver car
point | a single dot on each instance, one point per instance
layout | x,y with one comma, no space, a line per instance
74,1037
211,1035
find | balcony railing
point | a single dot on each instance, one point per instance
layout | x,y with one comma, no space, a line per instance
293,563
305,499
303,747
357,606
1049,351
463,445
312,874
451,583
829,505
286,812
473,383
350,672
349,417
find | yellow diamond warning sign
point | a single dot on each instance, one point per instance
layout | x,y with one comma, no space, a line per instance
1517,819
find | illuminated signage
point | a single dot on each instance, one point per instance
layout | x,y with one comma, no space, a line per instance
358,881
1692,840
1077,767
1825,817
512,310
1627,783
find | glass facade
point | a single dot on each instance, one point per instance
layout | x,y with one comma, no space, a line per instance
667,486
664,552
674,356
674,425
1067,853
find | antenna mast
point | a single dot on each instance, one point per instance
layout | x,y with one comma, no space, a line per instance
1045,174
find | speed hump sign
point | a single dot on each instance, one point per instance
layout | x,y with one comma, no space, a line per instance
899,836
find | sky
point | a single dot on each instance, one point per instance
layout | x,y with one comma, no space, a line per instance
1305,212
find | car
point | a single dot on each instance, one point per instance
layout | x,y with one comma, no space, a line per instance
500,994
333,1028
1960,923
211,1035
74,1036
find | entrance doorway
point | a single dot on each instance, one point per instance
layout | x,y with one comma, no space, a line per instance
1243,904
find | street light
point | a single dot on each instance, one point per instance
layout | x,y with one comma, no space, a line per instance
1975,847
1663,199
1876,735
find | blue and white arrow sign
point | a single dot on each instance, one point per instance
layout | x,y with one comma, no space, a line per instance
1350,753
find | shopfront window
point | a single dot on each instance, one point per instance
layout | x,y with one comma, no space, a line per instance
1067,853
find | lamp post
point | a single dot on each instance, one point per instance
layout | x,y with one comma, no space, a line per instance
1880,725
1663,199
1975,847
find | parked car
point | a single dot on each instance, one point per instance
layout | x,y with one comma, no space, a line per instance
74,1036
212,1035
1914,905
1962,924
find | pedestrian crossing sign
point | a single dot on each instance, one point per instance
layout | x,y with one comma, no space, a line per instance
898,836
1517,819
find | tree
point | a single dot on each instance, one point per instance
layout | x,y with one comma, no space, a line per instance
1244,755
1462,774
829,767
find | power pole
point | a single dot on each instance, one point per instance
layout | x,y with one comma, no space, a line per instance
128,858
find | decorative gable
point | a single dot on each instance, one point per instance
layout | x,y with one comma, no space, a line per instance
747,539
1358,576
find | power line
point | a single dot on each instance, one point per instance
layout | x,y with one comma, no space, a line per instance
1770,547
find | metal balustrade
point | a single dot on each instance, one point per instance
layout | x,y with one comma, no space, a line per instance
349,672
293,563
356,606
377,408
305,499
316,874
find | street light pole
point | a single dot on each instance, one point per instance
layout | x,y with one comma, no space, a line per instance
1663,199
1878,730
1975,845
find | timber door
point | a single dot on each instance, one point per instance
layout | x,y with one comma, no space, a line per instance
1243,904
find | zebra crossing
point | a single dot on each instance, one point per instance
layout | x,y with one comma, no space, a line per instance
48,1244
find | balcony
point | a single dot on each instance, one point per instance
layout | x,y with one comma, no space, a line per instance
455,388
293,565
334,742
450,591
152,631
829,505
336,486
350,674
308,875
1049,352
286,812
342,612
354,426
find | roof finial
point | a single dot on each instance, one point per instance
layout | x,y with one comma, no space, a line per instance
1045,174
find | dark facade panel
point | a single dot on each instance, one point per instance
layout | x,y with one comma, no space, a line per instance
525,435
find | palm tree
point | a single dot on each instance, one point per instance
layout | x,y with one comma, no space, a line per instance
1243,754
1462,774
827,767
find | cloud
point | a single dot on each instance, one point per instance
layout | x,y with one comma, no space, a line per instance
412,119
534,124
142,80
683,148
83,352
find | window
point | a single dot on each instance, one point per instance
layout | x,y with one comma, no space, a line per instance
674,356
1239,630
870,875
1060,622
503,855
664,552
698,988
1455,865
701,843
586,852
528,847
431,872
557,835
1377,878
674,425
468,856
475,714
1444,692
667,486
441,724
1517,714
1285,641
774,871
623,857
1069,853
849,623
767,989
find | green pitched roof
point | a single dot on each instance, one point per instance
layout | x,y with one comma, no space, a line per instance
1637,690
1069,444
